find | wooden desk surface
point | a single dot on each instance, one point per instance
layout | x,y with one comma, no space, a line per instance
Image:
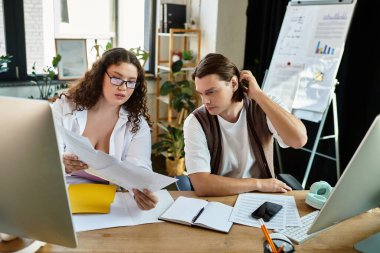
171,237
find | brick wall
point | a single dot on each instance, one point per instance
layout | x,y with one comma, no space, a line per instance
34,38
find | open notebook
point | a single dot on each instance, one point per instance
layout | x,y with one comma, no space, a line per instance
199,212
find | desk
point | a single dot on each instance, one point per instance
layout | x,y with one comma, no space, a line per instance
171,237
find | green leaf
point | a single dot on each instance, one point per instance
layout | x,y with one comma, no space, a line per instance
109,45
166,88
177,66
56,60
188,91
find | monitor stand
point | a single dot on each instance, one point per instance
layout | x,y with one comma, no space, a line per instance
21,245
370,244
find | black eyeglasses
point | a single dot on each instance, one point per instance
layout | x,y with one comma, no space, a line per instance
118,82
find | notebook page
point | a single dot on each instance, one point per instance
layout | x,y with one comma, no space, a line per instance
216,216
184,210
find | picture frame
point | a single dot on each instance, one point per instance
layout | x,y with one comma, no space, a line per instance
73,63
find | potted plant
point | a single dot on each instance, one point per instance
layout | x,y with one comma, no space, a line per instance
44,82
4,60
181,92
171,144
141,54
187,56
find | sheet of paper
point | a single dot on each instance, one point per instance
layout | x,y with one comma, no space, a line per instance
308,115
130,176
82,147
293,218
248,202
124,174
124,212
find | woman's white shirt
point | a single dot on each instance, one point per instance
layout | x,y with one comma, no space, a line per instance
124,145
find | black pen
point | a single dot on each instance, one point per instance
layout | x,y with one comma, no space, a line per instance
197,216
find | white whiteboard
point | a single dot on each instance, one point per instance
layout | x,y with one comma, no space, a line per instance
307,56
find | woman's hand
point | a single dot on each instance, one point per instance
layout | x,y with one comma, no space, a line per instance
272,185
253,87
72,163
146,199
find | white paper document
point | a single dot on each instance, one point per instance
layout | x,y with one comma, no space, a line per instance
248,202
124,212
124,174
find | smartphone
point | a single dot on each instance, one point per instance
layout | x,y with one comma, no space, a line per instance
266,211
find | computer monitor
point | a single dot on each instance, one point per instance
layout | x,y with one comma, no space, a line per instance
358,189
33,194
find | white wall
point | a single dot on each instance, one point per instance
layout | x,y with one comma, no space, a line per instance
48,31
208,22
87,19
223,24
231,30
131,23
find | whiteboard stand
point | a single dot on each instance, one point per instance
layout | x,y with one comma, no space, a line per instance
313,152
306,22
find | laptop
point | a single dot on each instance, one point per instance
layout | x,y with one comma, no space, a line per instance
33,194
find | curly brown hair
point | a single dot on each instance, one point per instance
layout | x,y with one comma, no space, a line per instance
86,92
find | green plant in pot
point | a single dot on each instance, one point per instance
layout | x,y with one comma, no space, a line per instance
44,82
187,56
181,93
171,144
4,60
141,54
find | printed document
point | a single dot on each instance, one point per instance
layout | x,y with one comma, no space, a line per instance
248,202
124,212
122,173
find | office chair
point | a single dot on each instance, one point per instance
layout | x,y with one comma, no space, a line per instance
290,181
183,183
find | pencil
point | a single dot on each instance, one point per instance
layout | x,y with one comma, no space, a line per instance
280,249
267,236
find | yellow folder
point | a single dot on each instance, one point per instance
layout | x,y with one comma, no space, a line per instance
91,198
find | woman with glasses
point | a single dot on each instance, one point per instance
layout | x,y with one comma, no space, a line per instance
108,106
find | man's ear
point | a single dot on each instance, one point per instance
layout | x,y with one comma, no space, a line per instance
235,83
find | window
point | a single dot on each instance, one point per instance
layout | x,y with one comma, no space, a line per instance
2,32
123,23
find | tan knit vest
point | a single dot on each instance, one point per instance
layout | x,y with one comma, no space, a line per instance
260,138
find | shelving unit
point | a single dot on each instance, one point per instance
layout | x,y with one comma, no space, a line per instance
185,37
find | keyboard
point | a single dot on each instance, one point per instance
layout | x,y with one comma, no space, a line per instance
298,234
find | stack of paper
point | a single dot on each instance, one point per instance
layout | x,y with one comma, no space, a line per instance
248,202
123,173
124,212
91,198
